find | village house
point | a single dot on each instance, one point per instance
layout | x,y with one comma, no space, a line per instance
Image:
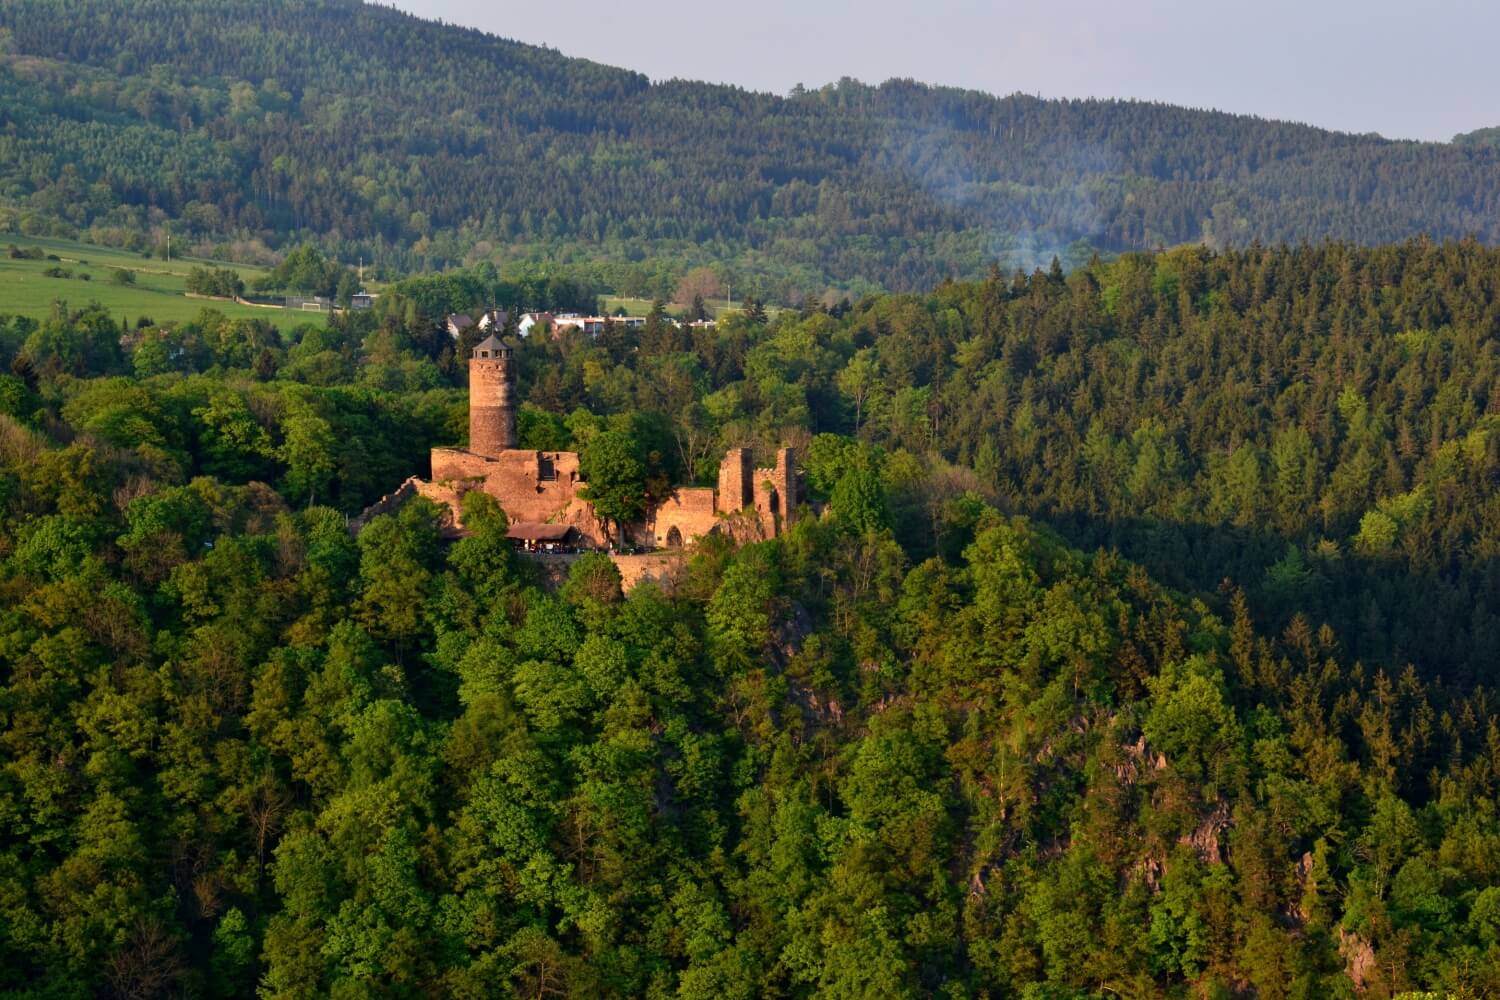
531,320
563,322
489,321
493,320
592,325
458,323
560,323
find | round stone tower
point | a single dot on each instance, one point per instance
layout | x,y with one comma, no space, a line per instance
492,403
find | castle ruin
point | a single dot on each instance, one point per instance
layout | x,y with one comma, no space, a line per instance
540,488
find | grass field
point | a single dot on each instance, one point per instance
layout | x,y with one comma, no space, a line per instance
640,307
159,291
632,307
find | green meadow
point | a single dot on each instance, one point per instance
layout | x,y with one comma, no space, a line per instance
640,307
159,291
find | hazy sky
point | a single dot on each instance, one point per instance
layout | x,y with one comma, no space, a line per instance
1410,69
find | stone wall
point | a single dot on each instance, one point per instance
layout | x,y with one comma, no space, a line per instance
385,504
530,485
736,475
690,512
542,486
539,486
661,568
580,514
784,476
775,493
440,494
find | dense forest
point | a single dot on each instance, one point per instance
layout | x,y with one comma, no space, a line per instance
244,126
1136,642
1319,425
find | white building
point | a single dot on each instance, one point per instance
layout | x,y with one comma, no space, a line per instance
489,321
531,320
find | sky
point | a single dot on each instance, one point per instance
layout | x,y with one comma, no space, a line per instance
1417,69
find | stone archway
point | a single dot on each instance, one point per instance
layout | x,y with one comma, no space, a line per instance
674,537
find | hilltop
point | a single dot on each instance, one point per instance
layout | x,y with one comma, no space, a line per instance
413,143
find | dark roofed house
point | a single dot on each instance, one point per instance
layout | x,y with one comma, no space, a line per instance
458,323
489,321
536,536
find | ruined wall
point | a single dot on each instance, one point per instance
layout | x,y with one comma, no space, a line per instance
463,472
385,504
542,486
447,497
766,501
784,476
442,494
530,485
659,568
775,493
580,514
492,407
690,510
736,474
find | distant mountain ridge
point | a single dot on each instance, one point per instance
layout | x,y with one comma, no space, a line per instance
397,139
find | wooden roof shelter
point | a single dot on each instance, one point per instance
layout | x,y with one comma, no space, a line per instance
535,531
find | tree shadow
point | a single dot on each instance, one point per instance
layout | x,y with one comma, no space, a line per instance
1446,623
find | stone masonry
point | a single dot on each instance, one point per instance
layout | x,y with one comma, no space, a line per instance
492,405
543,486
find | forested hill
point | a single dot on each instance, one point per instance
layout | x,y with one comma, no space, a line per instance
409,141
917,746
1140,642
